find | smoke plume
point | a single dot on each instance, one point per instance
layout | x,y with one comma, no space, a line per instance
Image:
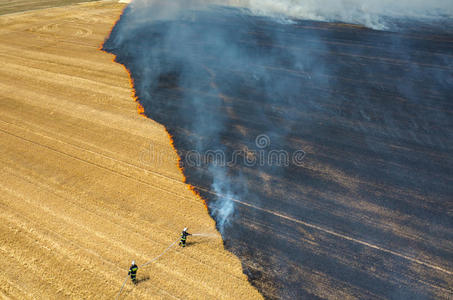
175,52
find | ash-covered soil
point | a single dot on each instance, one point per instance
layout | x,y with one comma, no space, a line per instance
364,210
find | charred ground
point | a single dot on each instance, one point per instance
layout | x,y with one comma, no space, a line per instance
372,112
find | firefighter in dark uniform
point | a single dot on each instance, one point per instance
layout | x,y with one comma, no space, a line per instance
184,235
133,272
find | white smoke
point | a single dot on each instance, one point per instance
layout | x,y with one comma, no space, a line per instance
223,208
370,13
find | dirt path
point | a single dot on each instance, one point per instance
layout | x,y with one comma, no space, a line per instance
86,183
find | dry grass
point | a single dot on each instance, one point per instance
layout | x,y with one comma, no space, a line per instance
14,6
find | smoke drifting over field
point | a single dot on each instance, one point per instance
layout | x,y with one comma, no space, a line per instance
369,110
376,14
371,13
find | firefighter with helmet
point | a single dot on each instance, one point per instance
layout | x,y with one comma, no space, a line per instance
184,235
133,272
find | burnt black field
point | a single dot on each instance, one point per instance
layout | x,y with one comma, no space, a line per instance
324,150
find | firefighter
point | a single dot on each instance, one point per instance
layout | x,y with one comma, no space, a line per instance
184,235
133,272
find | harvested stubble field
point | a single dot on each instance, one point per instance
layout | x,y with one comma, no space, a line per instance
81,192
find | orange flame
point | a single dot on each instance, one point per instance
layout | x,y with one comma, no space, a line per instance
180,167
140,108
141,111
